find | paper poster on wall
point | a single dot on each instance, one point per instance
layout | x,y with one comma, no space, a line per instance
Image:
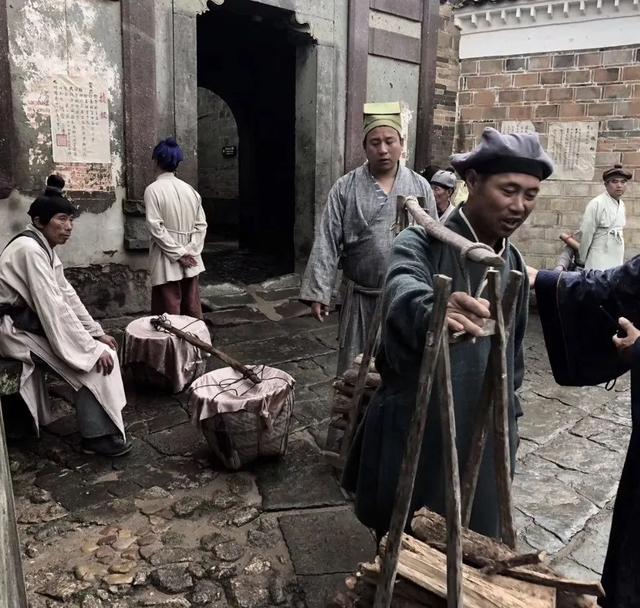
517,126
79,120
572,146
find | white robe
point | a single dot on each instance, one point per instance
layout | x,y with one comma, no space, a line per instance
602,243
70,349
178,227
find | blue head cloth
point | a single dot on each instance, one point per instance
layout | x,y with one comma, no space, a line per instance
168,154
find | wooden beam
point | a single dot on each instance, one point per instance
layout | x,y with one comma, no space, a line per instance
7,124
410,9
12,590
357,57
427,82
394,46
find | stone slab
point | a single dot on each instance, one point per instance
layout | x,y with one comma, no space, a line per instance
182,440
300,480
545,418
591,547
305,372
604,432
277,350
554,505
319,590
263,330
311,538
233,318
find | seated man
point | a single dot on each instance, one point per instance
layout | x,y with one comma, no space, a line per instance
503,175
43,322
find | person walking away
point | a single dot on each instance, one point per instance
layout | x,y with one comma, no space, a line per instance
355,231
602,242
178,228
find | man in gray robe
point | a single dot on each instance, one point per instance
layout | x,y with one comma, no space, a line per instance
503,175
356,233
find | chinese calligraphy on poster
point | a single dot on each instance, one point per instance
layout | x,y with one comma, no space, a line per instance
572,146
79,120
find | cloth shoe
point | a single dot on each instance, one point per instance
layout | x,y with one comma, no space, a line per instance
107,445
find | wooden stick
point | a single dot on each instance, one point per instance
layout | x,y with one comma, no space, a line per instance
162,323
526,559
12,590
476,252
361,382
452,478
483,415
413,445
479,550
502,448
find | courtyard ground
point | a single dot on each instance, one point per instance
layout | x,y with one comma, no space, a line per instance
166,526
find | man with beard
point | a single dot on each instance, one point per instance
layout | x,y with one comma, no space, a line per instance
503,176
601,241
356,230
44,325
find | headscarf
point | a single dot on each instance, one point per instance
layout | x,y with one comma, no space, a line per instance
45,207
168,154
505,153
381,115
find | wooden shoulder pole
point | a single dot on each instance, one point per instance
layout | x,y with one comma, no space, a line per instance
452,479
358,393
12,591
413,445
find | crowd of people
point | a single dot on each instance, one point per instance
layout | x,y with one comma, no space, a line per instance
503,176
44,324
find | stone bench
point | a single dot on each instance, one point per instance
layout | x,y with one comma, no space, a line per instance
10,371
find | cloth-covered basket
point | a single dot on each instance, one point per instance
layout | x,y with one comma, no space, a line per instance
160,361
240,420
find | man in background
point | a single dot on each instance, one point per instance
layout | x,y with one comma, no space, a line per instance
355,232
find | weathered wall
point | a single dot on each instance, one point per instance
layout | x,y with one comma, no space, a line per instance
392,79
72,38
601,86
446,90
217,174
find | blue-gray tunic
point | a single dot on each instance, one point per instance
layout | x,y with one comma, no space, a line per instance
374,462
356,231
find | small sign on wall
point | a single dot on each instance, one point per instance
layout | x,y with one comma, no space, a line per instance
79,110
229,151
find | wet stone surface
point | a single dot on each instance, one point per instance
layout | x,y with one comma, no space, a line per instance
168,526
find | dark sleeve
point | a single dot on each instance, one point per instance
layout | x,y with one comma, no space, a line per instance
408,300
576,332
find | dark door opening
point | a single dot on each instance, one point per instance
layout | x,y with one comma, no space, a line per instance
246,139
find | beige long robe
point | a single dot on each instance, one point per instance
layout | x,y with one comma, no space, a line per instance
70,349
602,242
178,227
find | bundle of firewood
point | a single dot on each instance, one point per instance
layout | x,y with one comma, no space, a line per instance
342,409
494,576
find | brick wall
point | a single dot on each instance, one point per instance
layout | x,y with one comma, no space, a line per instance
601,85
447,77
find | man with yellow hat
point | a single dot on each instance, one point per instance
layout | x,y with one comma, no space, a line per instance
355,232
602,243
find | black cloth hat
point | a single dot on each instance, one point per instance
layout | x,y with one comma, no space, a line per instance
616,171
45,207
505,153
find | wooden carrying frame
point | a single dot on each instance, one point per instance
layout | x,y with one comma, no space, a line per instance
435,371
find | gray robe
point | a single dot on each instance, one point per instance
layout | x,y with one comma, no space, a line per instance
374,461
356,230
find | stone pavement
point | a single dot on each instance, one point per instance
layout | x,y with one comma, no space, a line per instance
166,526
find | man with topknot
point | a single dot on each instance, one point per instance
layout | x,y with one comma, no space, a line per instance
178,227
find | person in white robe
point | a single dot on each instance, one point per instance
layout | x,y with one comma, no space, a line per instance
178,228
443,183
44,325
356,231
602,241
